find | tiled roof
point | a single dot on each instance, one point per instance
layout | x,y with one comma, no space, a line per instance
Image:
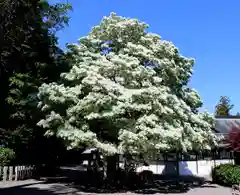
89,150
225,124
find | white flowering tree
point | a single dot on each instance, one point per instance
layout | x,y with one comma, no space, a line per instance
126,93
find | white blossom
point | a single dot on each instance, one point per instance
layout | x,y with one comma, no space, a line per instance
126,93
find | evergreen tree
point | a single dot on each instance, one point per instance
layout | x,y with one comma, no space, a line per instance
224,106
29,57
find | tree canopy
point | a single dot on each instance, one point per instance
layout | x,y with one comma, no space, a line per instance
29,56
224,106
126,93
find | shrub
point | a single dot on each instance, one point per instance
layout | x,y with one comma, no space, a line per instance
233,143
7,156
226,174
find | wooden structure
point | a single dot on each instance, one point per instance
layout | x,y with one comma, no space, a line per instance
16,173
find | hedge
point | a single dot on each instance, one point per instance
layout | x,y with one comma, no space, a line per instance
7,156
226,174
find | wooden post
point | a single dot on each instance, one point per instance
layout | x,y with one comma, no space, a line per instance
10,173
5,169
24,172
32,171
20,172
0,173
28,172
197,163
16,173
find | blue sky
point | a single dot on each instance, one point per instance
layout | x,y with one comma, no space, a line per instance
208,31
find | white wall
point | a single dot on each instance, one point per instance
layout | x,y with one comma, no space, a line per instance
196,168
188,168
205,166
156,169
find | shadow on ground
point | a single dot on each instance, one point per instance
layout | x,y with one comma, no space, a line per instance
160,184
40,189
134,182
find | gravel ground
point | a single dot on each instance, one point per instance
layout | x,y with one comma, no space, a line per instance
31,187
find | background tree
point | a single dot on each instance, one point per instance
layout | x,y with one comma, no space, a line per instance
233,143
126,93
29,56
224,107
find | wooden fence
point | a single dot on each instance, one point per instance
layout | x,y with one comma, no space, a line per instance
16,173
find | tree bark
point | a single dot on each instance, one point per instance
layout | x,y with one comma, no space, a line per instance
110,168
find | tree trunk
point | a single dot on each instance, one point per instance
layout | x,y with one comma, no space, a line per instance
110,168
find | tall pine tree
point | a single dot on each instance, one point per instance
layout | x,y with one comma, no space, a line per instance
224,107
